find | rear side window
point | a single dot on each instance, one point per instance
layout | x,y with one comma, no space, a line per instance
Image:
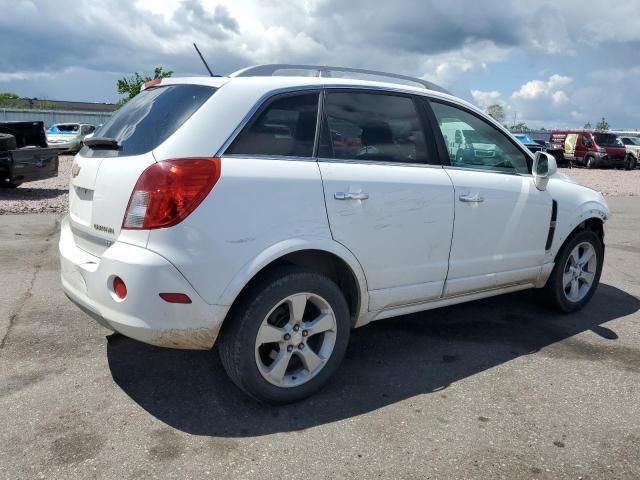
286,127
150,118
371,126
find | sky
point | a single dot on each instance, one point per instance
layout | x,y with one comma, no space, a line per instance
550,64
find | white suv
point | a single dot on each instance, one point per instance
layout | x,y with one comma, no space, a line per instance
275,212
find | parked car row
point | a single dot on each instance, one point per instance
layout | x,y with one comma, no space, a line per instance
590,148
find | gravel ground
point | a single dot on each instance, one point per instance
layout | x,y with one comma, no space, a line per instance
45,196
612,183
51,196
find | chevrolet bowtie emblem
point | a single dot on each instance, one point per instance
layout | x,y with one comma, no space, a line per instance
75,170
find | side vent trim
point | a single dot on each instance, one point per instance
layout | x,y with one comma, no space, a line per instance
552,225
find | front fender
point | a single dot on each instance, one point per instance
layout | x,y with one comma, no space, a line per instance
285,247
569,219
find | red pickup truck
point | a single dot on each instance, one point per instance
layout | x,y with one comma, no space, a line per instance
592,148
24,155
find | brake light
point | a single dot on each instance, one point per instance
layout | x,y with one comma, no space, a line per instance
119,288
168,191
151,83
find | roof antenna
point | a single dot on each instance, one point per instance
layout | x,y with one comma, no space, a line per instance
204,61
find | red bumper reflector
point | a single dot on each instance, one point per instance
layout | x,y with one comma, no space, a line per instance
119,288
175,297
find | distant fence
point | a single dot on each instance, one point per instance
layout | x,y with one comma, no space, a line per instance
49,117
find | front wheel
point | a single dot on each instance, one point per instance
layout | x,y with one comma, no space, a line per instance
576,274
590,162
287,336
630,163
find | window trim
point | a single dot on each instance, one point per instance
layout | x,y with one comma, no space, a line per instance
430,141
254,114
442,148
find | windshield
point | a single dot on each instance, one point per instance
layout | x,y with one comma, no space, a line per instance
150,118
607,140
66,128
632,141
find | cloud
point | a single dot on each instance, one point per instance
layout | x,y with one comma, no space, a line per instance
484,99
535,89
486,52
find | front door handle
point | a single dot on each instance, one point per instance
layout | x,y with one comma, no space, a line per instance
350,196
475,198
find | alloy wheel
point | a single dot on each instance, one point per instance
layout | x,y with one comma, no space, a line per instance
579,272
295,340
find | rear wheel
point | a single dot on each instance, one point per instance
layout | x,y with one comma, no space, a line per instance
590,162
576,274
287,336
631,162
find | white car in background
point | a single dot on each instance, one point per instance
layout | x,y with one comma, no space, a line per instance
632,146
271,214
68,136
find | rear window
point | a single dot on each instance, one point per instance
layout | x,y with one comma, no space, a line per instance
150,118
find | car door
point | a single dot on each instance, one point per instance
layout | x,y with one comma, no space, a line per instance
388,200
501,219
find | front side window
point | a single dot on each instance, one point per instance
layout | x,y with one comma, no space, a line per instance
286,127
371,126
607,140
473,143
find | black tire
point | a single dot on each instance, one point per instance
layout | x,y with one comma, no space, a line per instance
553,292
5,184
630,163
7,142
589,162
237,342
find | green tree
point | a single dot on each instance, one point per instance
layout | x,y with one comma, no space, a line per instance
602,125
131,86
496,111
587,125
8,100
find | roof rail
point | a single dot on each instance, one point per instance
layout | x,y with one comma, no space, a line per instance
325,71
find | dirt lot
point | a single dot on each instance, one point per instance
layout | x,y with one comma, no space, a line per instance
45,196
52,195
499,388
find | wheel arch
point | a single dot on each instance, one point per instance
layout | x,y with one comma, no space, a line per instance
588,221
326,257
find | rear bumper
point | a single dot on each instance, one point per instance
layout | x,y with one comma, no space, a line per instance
142,315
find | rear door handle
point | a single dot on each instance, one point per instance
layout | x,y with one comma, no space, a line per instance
350,196
475,198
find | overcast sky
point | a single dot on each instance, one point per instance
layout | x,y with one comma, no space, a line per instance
549,63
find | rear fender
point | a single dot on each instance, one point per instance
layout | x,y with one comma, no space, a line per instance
279,250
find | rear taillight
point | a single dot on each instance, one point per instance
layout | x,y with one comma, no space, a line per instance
168,191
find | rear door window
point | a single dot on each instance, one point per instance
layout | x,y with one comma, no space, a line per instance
285,127
150,118
372,127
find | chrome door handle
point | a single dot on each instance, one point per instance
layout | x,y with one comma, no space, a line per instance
350,196
471,198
